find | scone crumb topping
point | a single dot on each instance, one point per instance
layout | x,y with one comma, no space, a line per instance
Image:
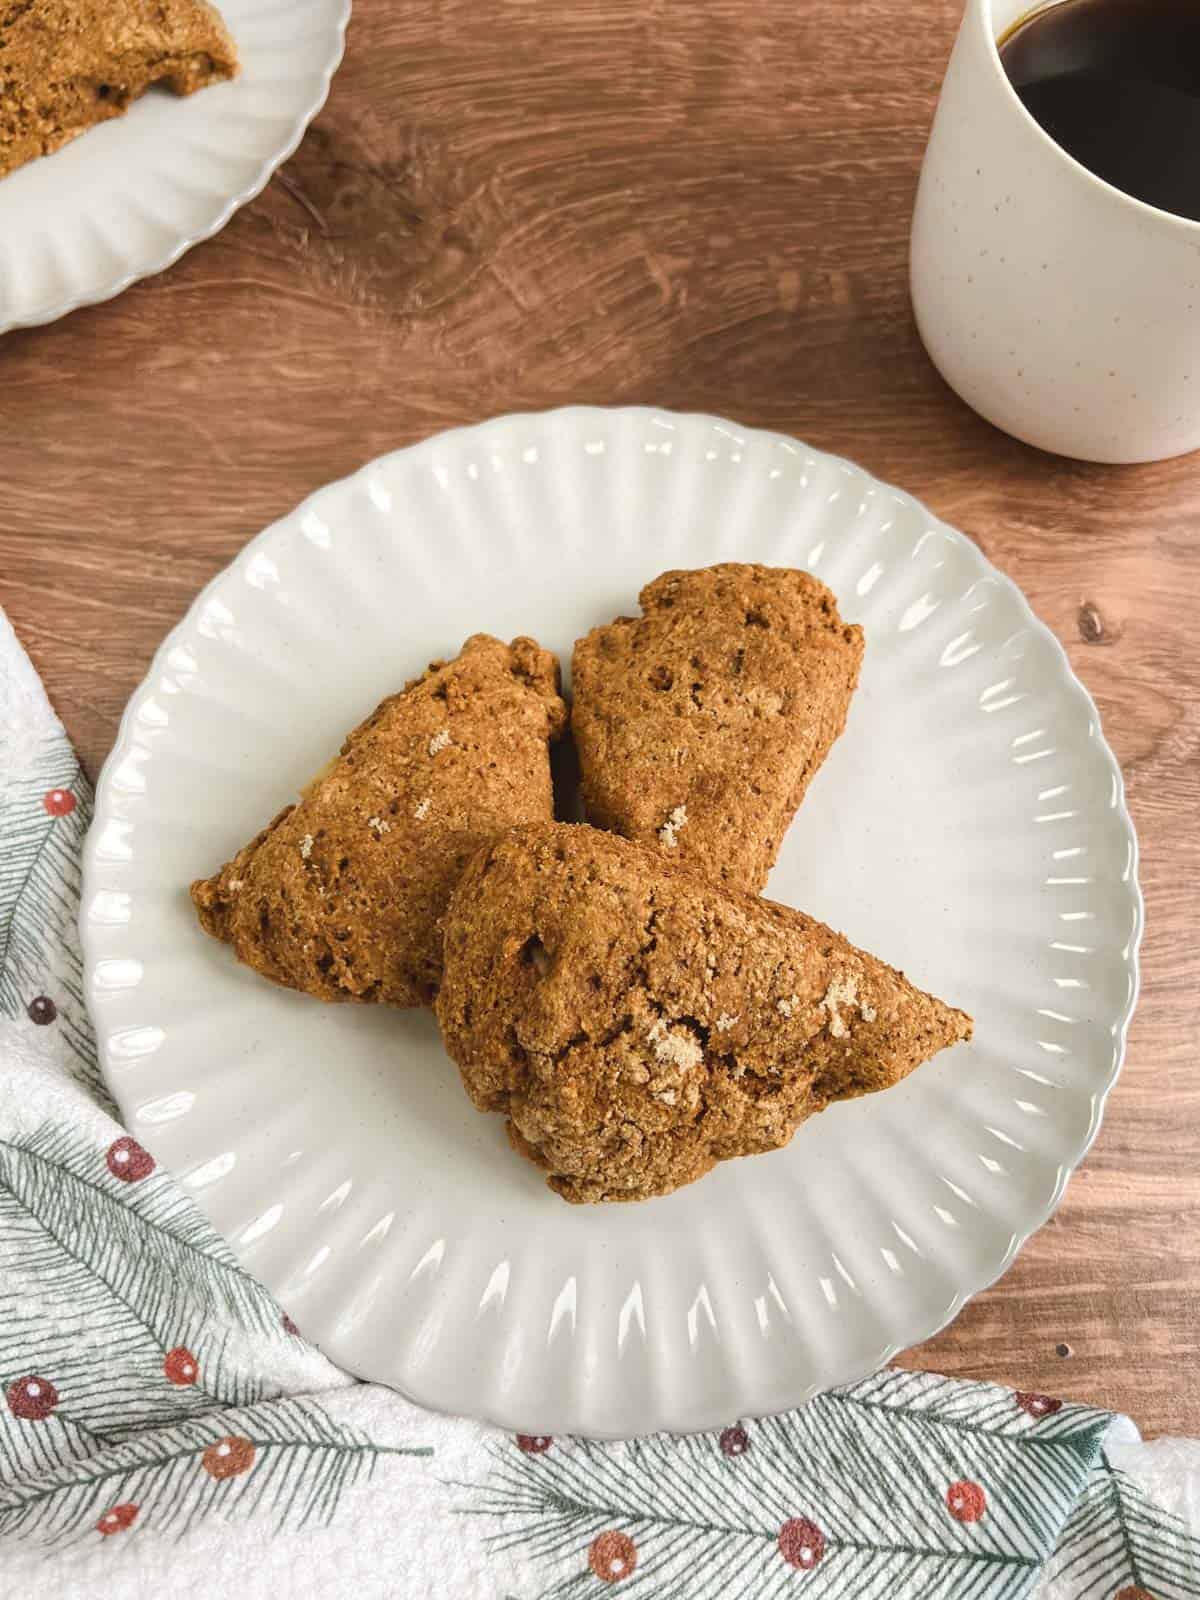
379,824
235,884
842,991
422,810
669,832
787,1008
680,1050
724,1022
306,845
439,741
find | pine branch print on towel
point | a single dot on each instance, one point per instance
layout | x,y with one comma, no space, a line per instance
45,815
1118,1545
902,1484
286,1460
114,1247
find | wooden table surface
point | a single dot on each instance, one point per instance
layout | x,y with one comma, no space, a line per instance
510,205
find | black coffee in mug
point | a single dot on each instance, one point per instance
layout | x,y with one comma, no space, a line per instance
1116,83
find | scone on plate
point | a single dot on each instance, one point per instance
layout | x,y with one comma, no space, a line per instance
340,896
637,1024
700,724
67,64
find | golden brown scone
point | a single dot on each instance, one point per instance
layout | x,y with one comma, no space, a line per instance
68,64
638,1024
340,896
700,724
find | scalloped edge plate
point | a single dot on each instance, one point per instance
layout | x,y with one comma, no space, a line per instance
970,826
126,199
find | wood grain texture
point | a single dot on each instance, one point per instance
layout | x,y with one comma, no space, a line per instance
513,205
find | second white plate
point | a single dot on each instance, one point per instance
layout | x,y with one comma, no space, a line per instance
968,827
127,198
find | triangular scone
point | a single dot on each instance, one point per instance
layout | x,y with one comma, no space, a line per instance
67,64
638,1024
340,897
700,724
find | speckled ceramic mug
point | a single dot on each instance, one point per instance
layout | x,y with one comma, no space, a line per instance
1061,309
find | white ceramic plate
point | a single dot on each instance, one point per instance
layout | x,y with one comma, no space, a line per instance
126,199
969,827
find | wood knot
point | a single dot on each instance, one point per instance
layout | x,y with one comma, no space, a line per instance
1092,627
389,220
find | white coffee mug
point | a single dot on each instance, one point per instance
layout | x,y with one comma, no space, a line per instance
1061,309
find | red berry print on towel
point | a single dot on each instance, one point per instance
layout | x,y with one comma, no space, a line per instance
1133,1591
118,1519
228,1458
59,802
1038,1405
181,1366
966,1502
290,1327
31,1399
735,1441
612,1556
534,1444
128,1161
801,1543
42,1010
